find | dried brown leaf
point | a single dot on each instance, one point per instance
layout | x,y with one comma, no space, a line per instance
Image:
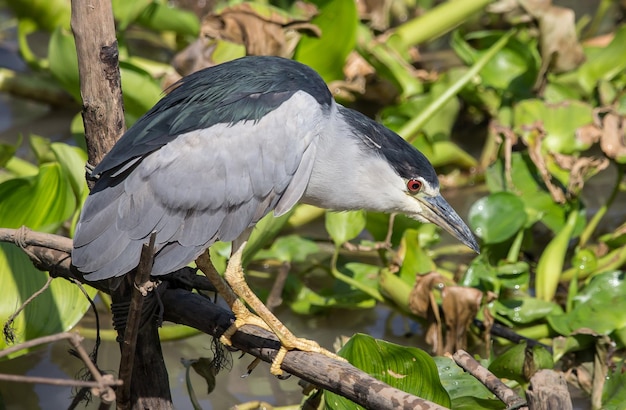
534,151
612,141
460,305
261,34
560,47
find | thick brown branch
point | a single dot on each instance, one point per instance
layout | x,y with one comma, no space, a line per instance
100,84
191,309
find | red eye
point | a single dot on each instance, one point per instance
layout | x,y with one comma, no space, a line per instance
414,185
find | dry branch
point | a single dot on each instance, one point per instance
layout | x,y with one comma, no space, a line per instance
191,309
491,381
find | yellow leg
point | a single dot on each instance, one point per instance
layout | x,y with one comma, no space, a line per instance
238,287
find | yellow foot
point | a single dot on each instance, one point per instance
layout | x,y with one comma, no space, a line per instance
236,288
290,342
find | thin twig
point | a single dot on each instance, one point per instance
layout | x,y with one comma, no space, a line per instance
8,332
102,386
489,380
133,322
58,382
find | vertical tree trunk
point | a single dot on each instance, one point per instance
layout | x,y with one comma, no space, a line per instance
103,116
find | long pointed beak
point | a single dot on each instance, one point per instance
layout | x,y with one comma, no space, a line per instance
439,212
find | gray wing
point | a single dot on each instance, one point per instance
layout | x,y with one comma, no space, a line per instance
203,186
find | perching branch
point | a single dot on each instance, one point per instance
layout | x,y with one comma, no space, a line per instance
489,380
185,307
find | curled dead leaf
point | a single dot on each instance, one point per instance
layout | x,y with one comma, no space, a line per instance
580,169
261,31
612,142
460,305
560,48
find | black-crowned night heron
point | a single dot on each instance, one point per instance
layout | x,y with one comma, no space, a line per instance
225,147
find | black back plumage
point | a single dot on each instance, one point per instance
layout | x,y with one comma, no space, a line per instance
216,95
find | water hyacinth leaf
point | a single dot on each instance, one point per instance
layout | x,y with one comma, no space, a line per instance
513,69
72,160
337,20
513,275
344,226
406,368
64,62
600,307
550,264
614,393
291,248
415,259
497,217
526,310
161,16
480,274
513,363
56,310
47,14
560,123
306,301
603,63
42,202
126,12
141,91
263,233
525,179
463,388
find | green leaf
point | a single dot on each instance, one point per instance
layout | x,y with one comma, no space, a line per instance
47,14
72,160
7,152
291,248
264,231
41,147
56,310
512,363
161,16
337,19
463,388
344,226
406,368
560,122
497,217
304,300
416,260
513,69
41,202
525,179
63,61
614,393
600,306
550,264
126,12
526,310
141,91
603,63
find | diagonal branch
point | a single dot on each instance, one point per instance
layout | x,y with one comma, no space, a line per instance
191,309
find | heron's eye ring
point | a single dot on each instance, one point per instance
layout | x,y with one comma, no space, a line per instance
414,185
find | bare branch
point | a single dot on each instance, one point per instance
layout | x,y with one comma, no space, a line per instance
495,385
191,309
102,384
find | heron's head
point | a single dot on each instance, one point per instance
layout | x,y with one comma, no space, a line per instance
364,165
